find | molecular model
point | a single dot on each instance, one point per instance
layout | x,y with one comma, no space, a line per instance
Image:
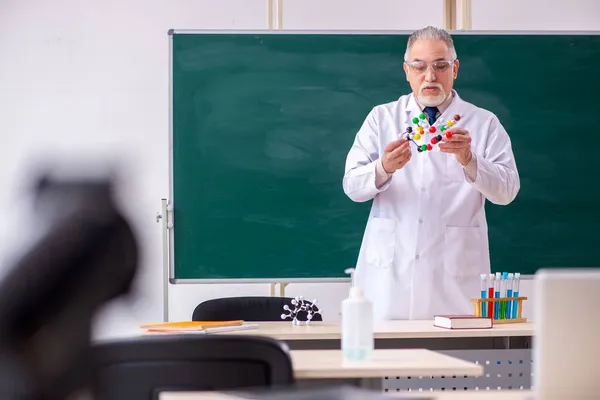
300,305
426,141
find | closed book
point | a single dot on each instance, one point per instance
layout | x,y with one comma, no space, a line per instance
462,322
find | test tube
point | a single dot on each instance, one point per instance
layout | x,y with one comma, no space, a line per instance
516,293
491,281
509,293
497,282
484,290
503,295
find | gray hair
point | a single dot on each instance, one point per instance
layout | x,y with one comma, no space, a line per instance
431,33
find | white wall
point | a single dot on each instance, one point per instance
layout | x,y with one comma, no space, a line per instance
90,78
541,15
360,14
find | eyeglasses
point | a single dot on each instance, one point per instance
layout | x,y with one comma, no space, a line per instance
437,66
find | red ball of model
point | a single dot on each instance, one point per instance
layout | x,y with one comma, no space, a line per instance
432,129
457,117
433,140
429,147
448,135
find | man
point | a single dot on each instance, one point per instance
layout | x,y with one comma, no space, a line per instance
426,243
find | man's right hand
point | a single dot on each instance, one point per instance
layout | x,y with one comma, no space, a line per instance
395,155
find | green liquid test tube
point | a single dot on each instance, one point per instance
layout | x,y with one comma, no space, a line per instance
503,294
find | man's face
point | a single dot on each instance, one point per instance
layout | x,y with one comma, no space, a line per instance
429,71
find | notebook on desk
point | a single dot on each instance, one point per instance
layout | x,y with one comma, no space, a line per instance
195,327
462,322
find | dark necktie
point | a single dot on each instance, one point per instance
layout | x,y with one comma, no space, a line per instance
431,113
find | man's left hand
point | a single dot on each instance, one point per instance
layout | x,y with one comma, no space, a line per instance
458,144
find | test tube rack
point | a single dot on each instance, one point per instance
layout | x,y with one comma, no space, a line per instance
477,305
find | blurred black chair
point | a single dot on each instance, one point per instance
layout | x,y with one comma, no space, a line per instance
251,308
140,368
81,253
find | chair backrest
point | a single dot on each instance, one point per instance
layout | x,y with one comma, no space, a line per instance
140,368
251,308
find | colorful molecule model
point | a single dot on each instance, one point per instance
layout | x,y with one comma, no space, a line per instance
426,136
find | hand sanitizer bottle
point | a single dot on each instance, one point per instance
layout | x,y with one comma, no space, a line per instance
357,324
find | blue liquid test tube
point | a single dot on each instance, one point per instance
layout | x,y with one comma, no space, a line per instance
509,293
484,290
497,294
503,295
516,294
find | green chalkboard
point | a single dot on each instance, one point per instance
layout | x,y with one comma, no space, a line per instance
262,123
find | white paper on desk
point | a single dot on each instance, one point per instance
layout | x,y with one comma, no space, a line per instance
231,328
205,331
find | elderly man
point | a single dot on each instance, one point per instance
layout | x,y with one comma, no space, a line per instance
428,160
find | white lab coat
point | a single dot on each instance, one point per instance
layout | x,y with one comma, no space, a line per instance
426,238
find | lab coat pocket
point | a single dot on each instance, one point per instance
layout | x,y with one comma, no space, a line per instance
464,251
380,242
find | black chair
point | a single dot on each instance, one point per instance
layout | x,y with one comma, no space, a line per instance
251,308
140,368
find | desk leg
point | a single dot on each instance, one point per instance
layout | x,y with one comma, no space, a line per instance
517,342
375,384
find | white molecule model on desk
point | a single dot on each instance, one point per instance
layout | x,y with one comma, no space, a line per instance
301,305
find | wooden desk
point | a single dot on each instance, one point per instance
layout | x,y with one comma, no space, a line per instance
470,344
384,330
328,364
399,334
312,367
475,395
469,395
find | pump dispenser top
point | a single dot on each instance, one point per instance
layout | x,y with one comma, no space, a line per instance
355,291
